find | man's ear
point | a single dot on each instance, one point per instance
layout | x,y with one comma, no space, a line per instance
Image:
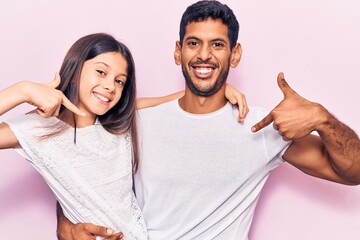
235,55
177,53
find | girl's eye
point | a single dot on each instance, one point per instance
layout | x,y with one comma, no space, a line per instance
101,72
118,81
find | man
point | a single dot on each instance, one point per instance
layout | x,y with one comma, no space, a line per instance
201,172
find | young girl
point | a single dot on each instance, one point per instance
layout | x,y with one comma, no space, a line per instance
86,160
87,152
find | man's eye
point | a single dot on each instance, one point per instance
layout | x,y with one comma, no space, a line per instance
193,43
118,81
101,72
218,45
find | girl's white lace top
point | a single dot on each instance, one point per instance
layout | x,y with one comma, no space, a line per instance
91,179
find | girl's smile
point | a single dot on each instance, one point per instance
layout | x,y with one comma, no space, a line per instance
101,83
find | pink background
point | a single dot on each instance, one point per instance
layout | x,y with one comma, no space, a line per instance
315,43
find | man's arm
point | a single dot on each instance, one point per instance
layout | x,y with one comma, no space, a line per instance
66,230
333,155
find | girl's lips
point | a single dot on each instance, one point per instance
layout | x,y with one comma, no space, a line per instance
101,97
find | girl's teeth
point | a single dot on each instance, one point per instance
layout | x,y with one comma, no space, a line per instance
102,98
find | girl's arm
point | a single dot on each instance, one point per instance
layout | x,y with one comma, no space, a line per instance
12,96
9,98
7,139
43,96
154,101
231,93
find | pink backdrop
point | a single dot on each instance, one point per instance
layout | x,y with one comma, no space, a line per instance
315,43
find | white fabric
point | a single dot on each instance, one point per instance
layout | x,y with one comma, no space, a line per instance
91,179
200,176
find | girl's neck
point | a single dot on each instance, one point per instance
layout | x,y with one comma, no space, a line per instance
80,121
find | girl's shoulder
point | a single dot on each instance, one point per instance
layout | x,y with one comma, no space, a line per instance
32,119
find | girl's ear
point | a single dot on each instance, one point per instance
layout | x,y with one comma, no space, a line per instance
177,53
235,55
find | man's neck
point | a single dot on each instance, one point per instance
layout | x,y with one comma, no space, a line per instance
196,104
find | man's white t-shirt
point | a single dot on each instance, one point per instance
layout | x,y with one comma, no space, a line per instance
200,175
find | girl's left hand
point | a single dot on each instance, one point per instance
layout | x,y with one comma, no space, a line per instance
236,97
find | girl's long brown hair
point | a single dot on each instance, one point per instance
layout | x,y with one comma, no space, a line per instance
121,118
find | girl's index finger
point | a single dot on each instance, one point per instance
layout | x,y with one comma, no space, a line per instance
69,105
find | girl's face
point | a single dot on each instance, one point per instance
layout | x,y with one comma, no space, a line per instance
102,80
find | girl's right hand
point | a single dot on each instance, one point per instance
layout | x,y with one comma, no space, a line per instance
47,99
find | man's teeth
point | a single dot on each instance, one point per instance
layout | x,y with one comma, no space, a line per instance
102,98
203,70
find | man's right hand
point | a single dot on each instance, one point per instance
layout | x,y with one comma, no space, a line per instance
86,231
294,117
66,230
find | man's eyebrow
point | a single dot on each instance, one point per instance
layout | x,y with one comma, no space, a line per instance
198,39
192,38
218,40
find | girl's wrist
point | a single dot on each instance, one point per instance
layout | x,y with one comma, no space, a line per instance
24,90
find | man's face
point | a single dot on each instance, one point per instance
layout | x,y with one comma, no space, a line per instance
205,56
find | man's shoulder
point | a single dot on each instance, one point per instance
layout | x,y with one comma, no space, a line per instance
255,112
258,111
157,113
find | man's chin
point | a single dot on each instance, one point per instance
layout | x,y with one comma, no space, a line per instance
203,92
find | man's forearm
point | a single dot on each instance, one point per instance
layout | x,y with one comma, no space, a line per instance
62,223
343,146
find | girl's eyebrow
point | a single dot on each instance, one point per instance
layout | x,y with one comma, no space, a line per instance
102,63
121,74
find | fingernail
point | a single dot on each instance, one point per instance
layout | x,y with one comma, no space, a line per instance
253,129
109,231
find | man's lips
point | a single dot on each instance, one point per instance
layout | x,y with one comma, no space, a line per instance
203,71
